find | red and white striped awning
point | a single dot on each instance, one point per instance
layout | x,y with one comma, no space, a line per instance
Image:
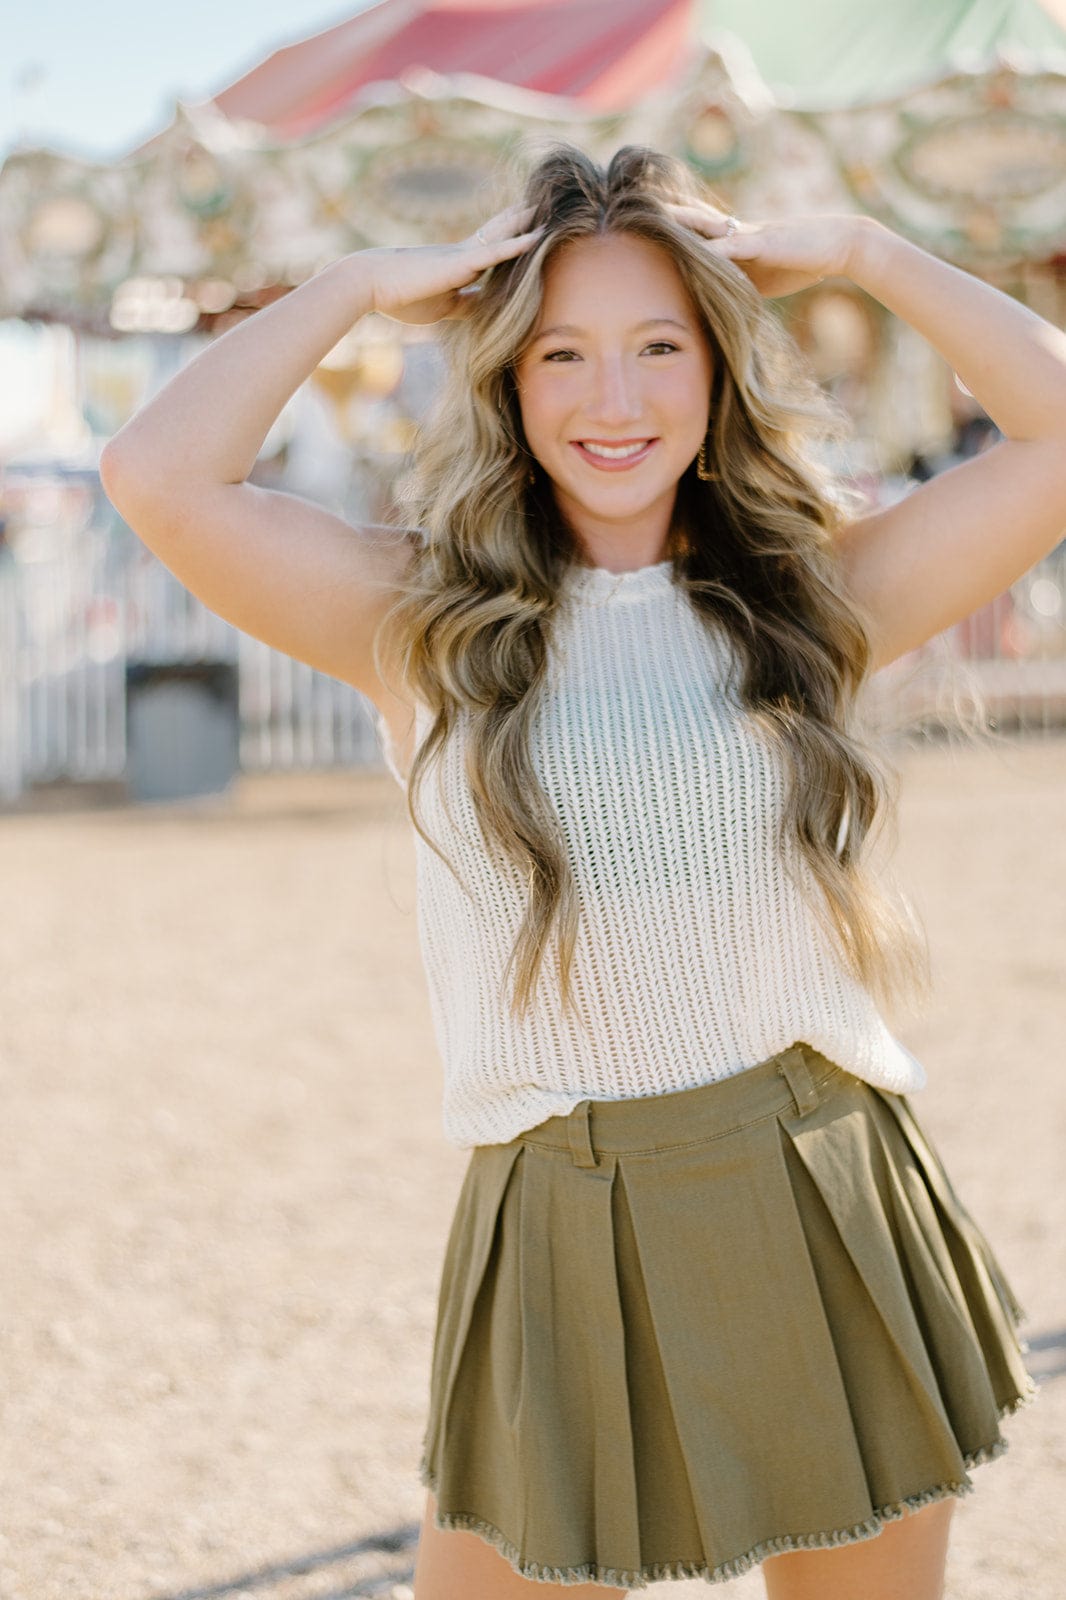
605,54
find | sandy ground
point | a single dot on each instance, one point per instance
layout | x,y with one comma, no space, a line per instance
225,1192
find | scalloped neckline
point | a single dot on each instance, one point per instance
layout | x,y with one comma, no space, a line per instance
601,584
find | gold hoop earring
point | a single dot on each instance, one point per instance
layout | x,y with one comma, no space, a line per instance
702,470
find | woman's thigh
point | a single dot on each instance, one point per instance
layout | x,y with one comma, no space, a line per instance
905,1561
456,1565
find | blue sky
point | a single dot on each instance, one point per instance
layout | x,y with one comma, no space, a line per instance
94,80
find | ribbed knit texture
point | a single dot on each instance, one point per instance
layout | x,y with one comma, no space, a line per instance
697,956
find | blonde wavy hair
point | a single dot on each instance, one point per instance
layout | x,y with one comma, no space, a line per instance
754,549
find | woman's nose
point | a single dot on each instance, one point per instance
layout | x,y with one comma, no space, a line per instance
615,395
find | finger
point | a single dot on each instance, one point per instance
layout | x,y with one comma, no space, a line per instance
506,224
705,220
519,217
739,246
505,249
695,211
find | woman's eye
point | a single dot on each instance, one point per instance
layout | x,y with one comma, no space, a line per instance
657,347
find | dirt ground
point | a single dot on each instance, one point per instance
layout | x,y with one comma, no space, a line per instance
225,1191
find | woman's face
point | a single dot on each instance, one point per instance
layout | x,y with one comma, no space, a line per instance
614,387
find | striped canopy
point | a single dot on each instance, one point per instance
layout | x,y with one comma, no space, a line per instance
605,54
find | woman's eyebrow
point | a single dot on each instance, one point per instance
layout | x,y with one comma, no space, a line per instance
567,330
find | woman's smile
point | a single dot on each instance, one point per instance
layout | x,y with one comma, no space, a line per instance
619,457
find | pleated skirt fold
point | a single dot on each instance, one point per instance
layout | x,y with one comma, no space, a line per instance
680,1334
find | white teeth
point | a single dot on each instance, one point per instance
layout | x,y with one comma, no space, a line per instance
614,452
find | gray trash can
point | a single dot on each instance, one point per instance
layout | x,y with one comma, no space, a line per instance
182,728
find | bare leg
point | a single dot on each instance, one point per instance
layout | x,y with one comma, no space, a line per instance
456,1565
905,1561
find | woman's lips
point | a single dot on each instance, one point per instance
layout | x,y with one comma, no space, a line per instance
615,463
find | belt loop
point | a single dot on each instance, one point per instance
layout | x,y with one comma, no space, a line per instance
580,1135
795,1069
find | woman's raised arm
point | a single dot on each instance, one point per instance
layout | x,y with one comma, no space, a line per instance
961,539
277,566
964,537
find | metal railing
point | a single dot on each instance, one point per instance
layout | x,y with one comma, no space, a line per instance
75,631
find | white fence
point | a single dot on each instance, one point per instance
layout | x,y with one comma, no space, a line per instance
79,625
74,639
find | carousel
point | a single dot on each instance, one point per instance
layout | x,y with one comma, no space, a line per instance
411,121
403,124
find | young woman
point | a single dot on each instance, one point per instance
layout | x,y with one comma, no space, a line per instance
709,1298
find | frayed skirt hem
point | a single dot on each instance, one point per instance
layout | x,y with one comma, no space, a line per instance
663,1572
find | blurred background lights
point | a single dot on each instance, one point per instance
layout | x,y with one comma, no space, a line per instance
66,225
214,295
153,305
1045,597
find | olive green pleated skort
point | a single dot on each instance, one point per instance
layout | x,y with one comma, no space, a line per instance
679,1334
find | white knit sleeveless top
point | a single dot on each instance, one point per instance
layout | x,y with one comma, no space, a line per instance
697,956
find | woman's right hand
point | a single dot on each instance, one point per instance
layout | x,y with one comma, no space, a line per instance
426,283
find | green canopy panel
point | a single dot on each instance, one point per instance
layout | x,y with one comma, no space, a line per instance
946,120
847,53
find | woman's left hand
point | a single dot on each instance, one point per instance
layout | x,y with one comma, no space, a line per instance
779,257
